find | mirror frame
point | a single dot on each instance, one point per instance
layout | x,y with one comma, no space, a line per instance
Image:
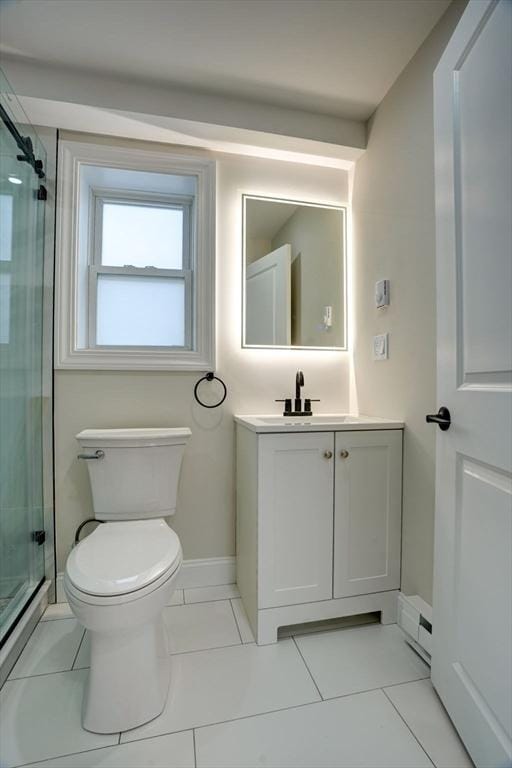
343,234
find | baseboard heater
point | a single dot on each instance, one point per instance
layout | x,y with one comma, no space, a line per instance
415,618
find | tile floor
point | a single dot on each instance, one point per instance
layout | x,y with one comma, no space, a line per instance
342,698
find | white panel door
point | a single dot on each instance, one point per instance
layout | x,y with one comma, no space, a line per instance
472,621
268,315
367,512
295,491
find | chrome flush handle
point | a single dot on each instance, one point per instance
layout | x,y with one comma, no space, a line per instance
96,455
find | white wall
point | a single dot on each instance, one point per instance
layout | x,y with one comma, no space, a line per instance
205,520
394,237
256,248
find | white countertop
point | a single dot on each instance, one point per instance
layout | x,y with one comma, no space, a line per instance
326,422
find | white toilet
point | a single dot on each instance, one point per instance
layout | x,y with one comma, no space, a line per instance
119,578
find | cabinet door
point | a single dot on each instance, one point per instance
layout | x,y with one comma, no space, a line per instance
295,489
367,512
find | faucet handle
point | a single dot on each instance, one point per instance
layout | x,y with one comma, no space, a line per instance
307,404
287,405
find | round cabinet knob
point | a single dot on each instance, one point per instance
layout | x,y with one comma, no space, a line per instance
327,454
344,454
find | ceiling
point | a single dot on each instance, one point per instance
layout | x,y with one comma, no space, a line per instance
332,57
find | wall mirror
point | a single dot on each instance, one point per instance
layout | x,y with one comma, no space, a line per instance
294,274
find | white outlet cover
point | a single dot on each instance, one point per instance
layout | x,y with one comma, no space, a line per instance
381,347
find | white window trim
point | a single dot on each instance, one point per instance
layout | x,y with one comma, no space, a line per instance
69,354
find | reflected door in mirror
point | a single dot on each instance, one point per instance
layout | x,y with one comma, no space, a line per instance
268,299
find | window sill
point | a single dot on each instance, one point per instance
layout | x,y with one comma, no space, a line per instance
136,360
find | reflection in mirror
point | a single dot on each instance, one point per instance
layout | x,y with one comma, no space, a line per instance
294,274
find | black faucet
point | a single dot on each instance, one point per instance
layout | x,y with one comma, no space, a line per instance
299,382
298,410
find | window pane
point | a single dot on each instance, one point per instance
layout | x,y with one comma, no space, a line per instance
142,235
141,311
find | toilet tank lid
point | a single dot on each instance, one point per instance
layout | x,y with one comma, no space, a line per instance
134,436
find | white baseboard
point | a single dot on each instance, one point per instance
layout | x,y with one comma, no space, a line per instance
208,572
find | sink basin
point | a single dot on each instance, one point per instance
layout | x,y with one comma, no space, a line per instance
297,421
322,422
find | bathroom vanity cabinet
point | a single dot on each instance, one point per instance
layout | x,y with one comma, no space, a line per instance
318,522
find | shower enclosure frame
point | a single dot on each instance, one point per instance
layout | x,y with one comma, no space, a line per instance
15,121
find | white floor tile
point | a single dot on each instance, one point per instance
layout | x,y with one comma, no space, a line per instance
41,718
350,660
200,626
173,751
358,730
52,647
190,627
57,611
206,594
177,598
242,621
213,686
83,657
421,708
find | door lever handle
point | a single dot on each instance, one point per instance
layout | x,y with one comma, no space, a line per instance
442,418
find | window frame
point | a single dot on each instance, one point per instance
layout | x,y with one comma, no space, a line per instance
184,203
75,254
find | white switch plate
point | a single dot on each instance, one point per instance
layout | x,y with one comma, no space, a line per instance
381,347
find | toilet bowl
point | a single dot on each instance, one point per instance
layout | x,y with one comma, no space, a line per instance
119,578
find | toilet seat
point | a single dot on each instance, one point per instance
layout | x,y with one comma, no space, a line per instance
122,561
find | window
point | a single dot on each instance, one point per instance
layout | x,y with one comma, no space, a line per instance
135,289
140,279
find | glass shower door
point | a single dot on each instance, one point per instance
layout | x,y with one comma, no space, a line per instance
21,349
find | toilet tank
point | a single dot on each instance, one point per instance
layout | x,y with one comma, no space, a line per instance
137,473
